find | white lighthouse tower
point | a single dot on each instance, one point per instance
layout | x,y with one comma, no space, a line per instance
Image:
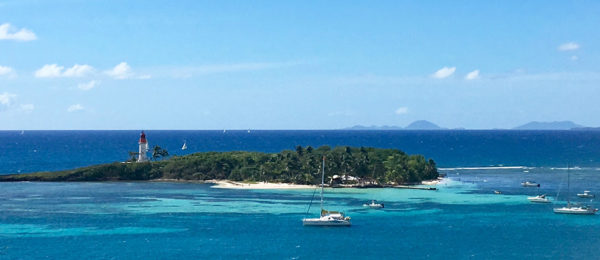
143,144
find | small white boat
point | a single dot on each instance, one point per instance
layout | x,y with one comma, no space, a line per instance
374,205
184,147
576,210
586,194
539,199
497,192
327,218
530,184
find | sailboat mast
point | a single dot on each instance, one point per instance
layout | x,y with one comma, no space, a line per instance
568,185
322,182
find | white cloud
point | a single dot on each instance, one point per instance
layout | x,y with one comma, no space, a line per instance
49,71
444,72
76,107
88,85
401,111
27,108
7,71
472,75
8,32
574,58
124,71
569,46
55,71
78,70
6,98
121,71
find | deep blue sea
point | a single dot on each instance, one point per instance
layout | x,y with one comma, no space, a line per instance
464,219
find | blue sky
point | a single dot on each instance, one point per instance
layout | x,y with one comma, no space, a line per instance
296,64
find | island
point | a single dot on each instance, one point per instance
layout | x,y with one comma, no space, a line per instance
416,125
557,125
346,166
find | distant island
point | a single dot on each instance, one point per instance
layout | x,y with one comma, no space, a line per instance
345,165
534,125
416,125
556,125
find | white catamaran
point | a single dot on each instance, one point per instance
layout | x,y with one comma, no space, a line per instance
327,218
572,208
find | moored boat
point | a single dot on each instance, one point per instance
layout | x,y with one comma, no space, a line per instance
571,208
327,218
539,199
576,209
530,184
586,194
374,205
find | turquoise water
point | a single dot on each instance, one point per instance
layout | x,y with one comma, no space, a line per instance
463,219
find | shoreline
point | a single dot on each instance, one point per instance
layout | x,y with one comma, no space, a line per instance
228,184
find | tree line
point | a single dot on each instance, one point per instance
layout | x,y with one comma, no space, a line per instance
301,166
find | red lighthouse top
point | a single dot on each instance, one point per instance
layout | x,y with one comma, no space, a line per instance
143,138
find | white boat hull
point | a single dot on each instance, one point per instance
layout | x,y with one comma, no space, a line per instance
538,200
575,211
585,196
321,222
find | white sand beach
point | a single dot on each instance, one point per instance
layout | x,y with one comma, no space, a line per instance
225,184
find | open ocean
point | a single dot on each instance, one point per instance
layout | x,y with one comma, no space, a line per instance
464,219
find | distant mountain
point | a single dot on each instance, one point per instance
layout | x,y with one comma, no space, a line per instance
557,125
416,125
422,125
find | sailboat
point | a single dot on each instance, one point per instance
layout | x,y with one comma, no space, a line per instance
572,208
327,218
184,147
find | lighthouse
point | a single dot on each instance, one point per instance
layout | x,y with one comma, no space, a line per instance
143,144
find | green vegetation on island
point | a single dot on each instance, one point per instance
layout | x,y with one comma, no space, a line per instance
300,166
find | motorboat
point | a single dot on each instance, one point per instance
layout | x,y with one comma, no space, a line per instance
374,205
586,194
497,192
327,218
539,199
530,184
